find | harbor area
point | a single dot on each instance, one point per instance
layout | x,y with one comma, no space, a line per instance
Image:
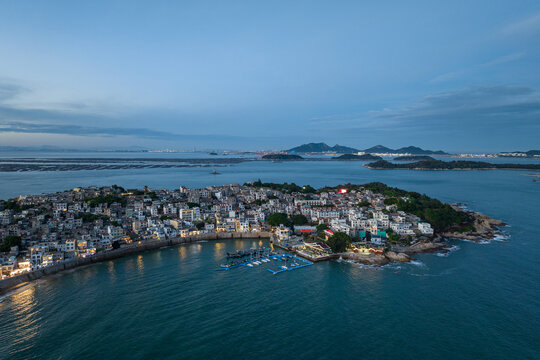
312,251
273,262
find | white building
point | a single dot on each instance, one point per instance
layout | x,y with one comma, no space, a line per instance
425,228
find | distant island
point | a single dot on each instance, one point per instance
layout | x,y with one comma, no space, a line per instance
413,150
413,158
378,149
365,157
449,165
282,157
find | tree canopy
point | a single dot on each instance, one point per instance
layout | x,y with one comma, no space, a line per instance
10,241
339,242
299,219
285,187
277,219
322,227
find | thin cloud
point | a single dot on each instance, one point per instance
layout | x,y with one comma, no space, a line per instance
63,129
504,59
480,106
528,26
460,73
67,120
9,90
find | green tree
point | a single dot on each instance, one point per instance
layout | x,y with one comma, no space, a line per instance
299,219
10,241
390,201
277,219
393,238
321,227
339,242
105,199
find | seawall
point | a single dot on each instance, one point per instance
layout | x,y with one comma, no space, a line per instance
9,283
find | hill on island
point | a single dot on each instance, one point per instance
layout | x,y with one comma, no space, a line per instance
282,157
414,150
364,157
378,149
322,148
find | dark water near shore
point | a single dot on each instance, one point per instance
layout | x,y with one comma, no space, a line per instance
480,302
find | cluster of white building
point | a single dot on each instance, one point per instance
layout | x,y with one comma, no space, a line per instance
84,221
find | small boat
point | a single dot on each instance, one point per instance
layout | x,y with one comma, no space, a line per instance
284,267
214,172
250,265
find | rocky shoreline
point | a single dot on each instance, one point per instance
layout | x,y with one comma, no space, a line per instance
485,227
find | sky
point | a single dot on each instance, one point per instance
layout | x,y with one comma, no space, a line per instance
460,76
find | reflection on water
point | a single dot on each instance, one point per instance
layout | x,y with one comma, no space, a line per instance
140,264
111,270
182,252
218,250
26,317
238,243
196,248
129,264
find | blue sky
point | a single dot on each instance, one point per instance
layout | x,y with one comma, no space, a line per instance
457,76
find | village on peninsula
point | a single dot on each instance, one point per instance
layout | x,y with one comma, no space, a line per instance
371,224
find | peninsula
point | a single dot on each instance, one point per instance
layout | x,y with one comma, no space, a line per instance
370,223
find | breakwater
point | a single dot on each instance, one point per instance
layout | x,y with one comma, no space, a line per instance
12,282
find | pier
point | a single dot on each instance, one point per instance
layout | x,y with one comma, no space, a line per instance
286,262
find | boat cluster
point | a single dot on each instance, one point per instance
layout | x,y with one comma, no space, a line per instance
252,253
255,257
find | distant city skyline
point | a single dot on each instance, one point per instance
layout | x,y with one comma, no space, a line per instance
458,77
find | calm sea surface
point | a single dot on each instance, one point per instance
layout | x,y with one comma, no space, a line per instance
480,302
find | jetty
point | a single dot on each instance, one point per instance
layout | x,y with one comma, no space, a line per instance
284,262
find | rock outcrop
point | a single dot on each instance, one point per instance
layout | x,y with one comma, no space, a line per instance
366,259
401,257
484,228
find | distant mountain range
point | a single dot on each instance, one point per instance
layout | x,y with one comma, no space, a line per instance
322,148
380,149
